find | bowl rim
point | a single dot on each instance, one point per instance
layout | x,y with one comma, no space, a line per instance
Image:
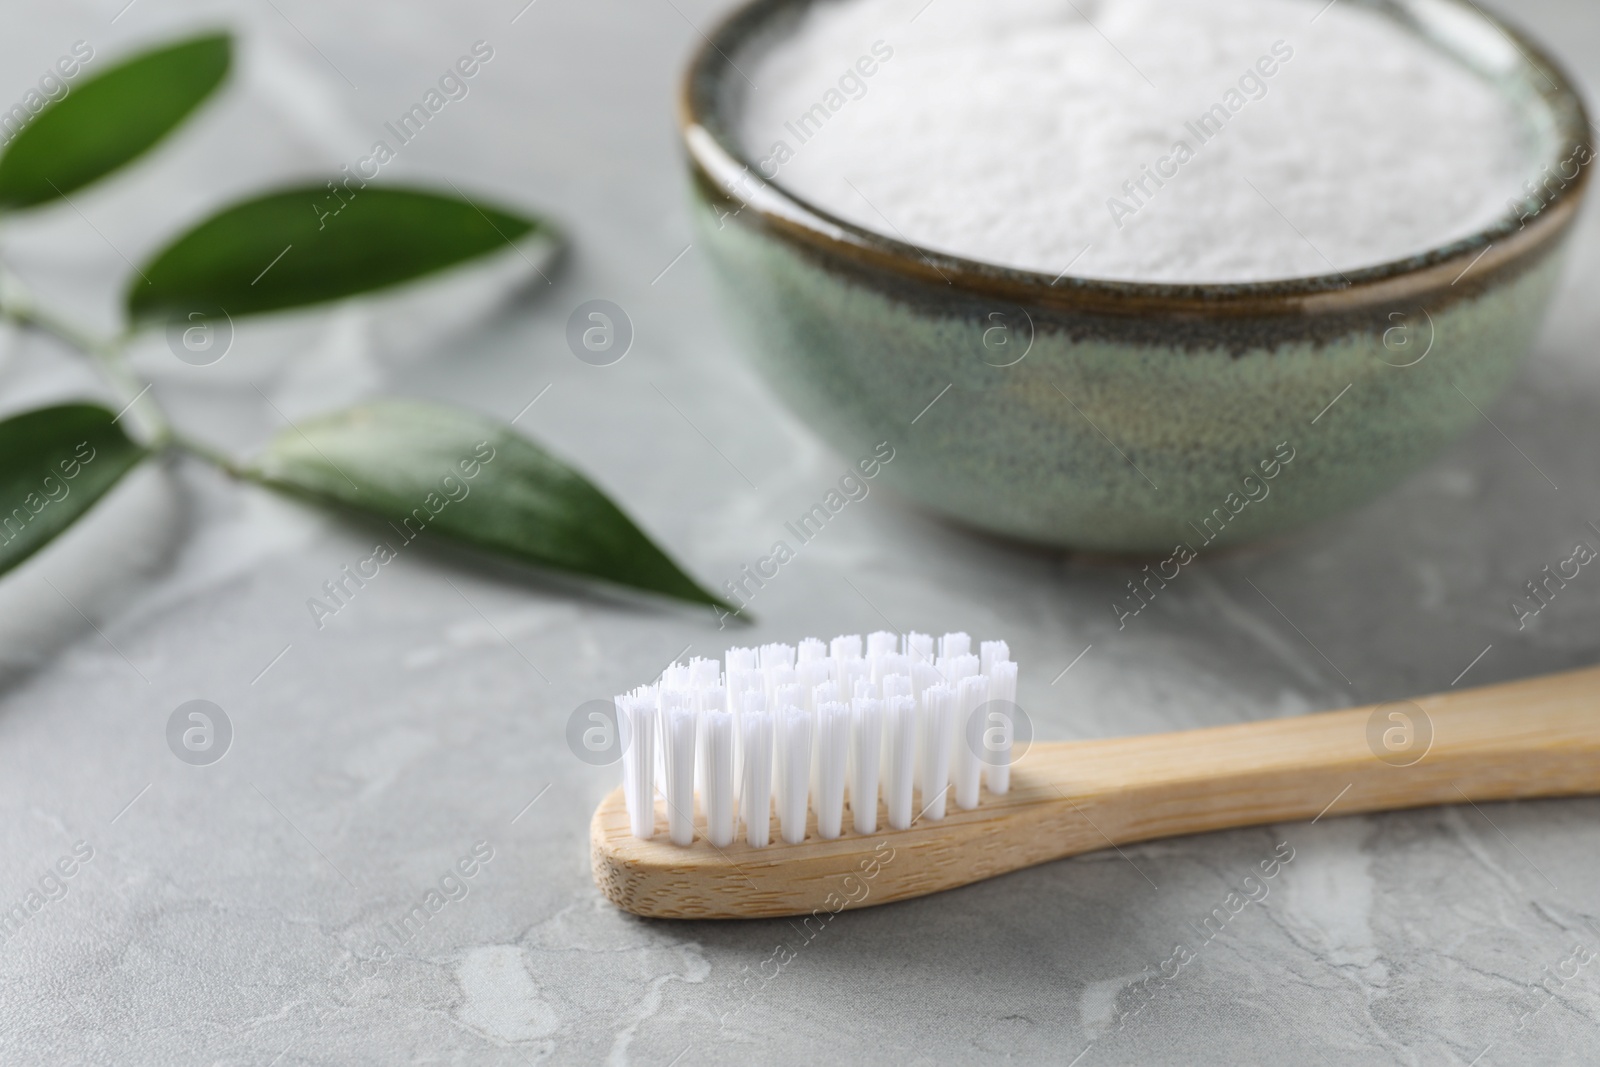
721,166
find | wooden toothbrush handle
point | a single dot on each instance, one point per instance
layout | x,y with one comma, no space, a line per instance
1534,738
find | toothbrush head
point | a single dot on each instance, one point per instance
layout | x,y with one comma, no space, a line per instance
752,790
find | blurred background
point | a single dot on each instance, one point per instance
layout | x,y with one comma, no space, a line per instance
228,911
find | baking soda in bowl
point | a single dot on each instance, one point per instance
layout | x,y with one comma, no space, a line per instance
1141,140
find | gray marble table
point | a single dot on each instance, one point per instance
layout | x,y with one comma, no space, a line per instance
227,914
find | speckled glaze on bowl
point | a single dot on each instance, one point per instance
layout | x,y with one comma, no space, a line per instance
1138,416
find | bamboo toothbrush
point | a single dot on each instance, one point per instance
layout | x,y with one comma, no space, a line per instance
832,777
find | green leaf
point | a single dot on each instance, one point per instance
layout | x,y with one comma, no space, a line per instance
314,244
109,120
54,464
470,479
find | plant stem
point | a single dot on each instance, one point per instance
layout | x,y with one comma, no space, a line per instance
184,443
18,305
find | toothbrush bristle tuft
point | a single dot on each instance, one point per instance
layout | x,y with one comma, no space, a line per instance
769,738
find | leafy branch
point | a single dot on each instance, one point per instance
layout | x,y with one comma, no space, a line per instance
462,476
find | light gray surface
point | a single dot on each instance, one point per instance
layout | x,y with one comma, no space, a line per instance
222,910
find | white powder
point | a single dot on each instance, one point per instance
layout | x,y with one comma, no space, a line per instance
1005,131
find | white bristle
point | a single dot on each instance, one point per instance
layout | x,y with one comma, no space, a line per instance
1002,690
810,674
882,643
755,792
716,776
955,668
824,692
780,734
889,663
663,695
833,757
704,672
971,694
956,644
793,777
849,673
704,700
899,752
636,725
952,670
740,681
677,724
866,744
775,678
934,737
776,656
924,676
992,652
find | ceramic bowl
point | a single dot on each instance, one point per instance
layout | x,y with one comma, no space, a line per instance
1124,417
